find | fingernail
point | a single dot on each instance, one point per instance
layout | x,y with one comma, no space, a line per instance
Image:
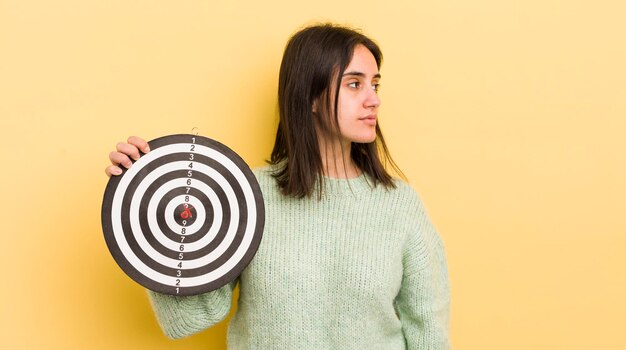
146,149
127,165
116,171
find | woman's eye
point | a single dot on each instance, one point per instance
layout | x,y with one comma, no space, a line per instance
375,87
354,85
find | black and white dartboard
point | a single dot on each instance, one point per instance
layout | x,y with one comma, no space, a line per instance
184,219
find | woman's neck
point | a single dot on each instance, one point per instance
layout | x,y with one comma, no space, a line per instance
336,159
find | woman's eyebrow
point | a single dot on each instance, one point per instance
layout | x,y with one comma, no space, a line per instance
360,74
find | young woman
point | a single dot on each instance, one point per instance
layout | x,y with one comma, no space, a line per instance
349,258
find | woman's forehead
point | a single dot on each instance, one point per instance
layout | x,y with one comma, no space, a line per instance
363,63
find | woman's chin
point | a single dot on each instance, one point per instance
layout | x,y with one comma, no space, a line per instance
364,139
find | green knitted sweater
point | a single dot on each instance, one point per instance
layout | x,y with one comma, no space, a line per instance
362,268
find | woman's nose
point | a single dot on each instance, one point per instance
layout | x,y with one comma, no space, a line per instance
372,99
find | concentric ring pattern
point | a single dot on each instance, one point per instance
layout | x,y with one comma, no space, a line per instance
186,218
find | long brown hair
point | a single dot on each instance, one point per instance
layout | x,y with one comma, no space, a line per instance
312,58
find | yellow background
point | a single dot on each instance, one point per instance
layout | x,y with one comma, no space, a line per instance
507,116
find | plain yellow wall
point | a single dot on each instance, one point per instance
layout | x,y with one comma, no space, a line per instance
508,118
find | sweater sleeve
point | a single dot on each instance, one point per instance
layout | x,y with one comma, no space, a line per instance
183,316
423,302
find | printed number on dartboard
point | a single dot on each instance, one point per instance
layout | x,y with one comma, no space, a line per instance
183,230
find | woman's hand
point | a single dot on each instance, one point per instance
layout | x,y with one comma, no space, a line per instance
125,152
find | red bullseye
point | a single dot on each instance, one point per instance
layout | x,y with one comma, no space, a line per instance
186,213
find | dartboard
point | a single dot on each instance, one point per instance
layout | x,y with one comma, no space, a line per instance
184,219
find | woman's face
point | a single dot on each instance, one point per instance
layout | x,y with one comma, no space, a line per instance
358,99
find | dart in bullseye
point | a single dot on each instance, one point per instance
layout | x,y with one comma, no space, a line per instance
186,213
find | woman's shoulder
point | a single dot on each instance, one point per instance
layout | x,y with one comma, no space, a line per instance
404,189
406,198
264,177
263,171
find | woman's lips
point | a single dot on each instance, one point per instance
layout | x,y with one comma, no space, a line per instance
369,120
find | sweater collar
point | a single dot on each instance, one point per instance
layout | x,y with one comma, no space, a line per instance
338,186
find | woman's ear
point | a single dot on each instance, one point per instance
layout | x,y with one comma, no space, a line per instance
314,107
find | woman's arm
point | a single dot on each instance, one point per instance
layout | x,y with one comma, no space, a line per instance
183,316
423,303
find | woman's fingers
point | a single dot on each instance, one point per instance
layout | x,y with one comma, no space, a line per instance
119,158
113,170
125,154
127,149
140,143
